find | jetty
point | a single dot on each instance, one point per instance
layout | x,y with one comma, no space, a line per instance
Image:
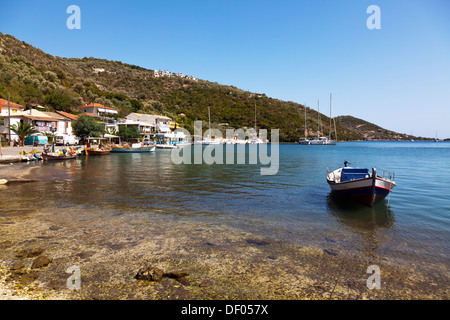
12,154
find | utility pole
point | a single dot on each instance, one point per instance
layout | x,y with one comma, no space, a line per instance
9,121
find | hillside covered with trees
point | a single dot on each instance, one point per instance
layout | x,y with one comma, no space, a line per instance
33,77
370,131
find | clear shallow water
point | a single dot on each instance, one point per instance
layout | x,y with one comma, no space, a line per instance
294,206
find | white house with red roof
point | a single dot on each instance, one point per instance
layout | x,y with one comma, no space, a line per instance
98,109
41,121
105,115
13,108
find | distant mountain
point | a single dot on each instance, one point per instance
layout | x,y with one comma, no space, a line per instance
33,77
370,131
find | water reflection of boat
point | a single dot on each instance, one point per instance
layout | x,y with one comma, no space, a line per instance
368,224
359,185
357,216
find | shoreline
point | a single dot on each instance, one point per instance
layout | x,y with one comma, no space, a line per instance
11,154
224,263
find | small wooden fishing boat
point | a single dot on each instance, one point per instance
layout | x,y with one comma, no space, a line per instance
360,185
56,156
96,151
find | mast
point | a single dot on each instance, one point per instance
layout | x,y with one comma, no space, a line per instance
318,119
335,132
306,126
256,131
329,135
209,117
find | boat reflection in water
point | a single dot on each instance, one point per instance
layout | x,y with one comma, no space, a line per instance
372,225
358,216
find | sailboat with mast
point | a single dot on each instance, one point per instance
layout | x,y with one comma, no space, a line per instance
322,140
305,141
331,142
208,140
255,139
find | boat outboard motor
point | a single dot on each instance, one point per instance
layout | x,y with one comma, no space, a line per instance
346,163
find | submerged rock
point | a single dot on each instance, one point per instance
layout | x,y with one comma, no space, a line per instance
177,274
205,283
258,242
35,252
85,254
40,262
29,253
330,252
17,266
22,276
5,244
149,274
184,281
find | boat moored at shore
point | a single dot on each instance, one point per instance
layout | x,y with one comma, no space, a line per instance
92,151
171,140
135,147
56,156
360,185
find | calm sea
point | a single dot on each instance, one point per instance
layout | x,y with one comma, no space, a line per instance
411,226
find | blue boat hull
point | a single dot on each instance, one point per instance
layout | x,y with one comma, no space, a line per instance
366,195
359,185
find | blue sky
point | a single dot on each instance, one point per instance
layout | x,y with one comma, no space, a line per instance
397,77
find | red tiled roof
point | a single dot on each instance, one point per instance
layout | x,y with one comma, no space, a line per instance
4,103
41,118
97,105
67,115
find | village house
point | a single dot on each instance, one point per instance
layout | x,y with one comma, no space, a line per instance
48,122
161,124
101,113
70,117
7,109
143,127
13,108
98,110
160,73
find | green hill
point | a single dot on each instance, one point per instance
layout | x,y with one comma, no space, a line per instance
33,77
370,131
